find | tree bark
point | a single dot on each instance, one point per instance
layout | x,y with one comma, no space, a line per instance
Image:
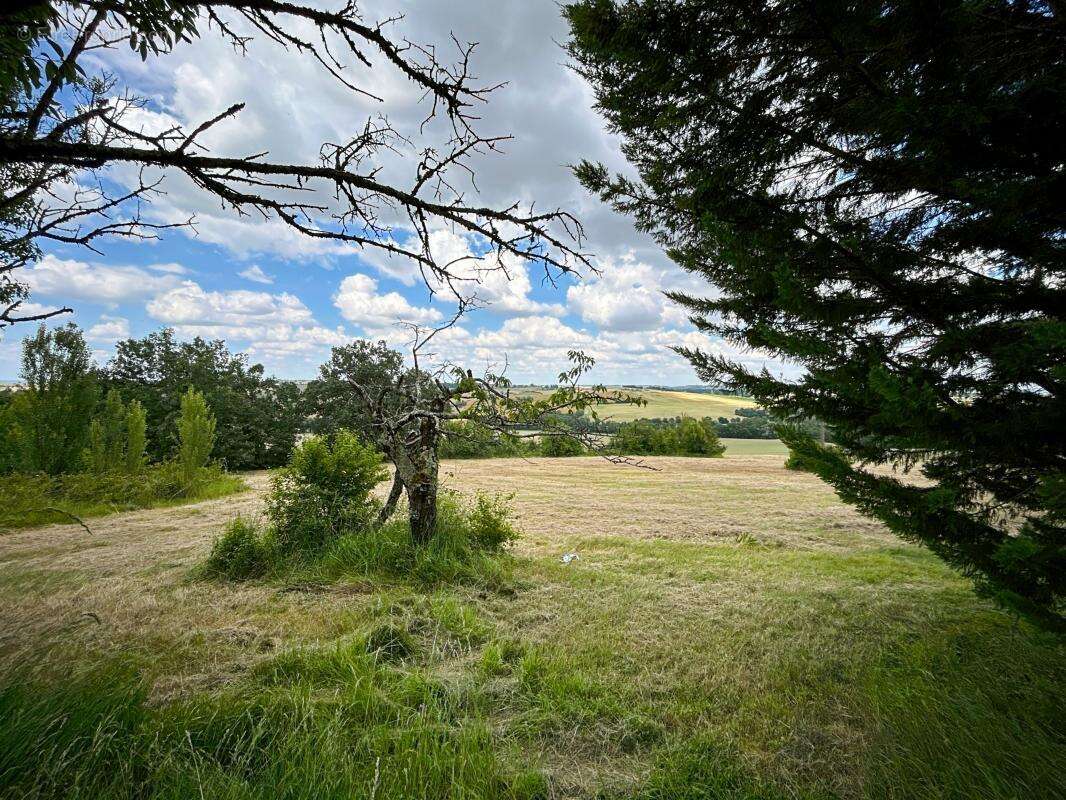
392,500
422,497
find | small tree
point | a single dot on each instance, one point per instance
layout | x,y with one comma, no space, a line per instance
408,411
107,436
698,438
325,492
51,416
136,437
560,445
196,432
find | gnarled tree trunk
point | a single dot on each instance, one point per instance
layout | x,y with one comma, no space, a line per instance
418,467
392,499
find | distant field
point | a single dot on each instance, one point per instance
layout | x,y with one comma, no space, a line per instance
754,447
662,403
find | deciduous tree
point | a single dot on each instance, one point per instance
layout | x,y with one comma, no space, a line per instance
63,123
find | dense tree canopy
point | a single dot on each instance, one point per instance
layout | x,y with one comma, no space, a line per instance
877,190
258,417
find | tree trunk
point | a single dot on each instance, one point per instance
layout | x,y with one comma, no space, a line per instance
417,466
393,498
422,497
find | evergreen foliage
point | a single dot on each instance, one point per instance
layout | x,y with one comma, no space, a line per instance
875,189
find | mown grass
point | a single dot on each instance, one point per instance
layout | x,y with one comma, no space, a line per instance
33,500
742,667
662,403
754,447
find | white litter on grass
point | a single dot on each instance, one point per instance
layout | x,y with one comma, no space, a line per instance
568,557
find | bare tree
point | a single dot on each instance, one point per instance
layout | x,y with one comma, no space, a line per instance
406,409
61,128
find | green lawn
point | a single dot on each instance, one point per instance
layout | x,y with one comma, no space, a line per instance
754,447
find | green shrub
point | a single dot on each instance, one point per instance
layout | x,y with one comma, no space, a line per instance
242,551
683,437
324,493
798,462
560,446
467,548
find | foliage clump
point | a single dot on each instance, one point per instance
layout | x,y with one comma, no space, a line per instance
196,432
468,547
326,491
686,437
241,552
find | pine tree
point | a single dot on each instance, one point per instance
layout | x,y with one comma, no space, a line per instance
877,192
196,432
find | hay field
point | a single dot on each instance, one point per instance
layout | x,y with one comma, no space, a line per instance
727,629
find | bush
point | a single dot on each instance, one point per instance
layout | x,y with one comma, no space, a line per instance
559,446
468,547
242,551
798,462
684,437
324,493
470,439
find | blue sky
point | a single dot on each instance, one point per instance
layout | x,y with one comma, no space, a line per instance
286,300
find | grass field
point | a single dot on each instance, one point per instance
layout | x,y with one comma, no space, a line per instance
728,629
662,403
754,447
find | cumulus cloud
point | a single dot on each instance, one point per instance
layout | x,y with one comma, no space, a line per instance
358,301
72,280
627,295
273,327
255,274
109,330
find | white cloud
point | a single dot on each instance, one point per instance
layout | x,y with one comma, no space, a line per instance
69,280
628,296
271,327
189,304
255,274
358,301
109,330
169,268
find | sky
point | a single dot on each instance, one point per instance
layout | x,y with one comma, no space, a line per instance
286,300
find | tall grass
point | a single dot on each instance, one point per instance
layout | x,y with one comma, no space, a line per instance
468,548
376,733
40,499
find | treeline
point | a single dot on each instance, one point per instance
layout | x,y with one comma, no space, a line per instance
73,442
